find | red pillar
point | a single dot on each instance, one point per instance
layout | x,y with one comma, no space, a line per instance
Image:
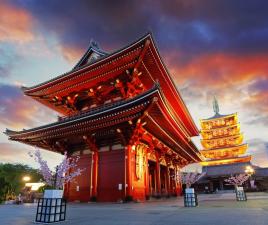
67,185
66,190
168,181
178,185
128,171
158,178
147,188
94,184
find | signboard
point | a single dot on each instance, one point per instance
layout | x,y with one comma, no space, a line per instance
120,187
140,160
240,189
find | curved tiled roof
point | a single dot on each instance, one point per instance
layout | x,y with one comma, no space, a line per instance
217,116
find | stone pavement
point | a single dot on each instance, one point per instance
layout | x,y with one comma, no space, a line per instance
211,211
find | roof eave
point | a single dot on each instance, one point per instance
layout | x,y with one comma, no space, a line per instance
195,129
80,69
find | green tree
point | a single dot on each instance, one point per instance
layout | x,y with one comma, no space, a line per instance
3,189
11,179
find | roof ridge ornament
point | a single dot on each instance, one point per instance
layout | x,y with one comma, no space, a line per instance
216,108
93,54
94,44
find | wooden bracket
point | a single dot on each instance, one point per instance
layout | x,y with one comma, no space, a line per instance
121,136
91,142
62,146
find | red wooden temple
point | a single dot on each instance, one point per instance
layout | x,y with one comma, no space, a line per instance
122,114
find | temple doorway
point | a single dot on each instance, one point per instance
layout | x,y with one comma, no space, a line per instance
172,189
152,178
163,179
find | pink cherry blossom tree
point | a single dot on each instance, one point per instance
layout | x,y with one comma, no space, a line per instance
189,178
65,172
237,180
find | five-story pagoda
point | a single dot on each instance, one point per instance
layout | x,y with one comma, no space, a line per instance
222,139
224,149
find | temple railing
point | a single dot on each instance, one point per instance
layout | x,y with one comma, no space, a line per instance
105,106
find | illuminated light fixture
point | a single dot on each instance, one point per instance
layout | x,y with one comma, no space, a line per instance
69,98
99,87
249,170
118,130
140,73
85,137
144,123
130,122
91,90
133,147
55,99
117,81
76,95
85,108
26,178
34,186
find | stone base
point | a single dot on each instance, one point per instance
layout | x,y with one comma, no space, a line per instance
50,210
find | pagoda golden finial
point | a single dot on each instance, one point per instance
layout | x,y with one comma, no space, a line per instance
216,108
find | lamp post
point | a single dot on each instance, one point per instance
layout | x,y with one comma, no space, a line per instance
26,178
250,171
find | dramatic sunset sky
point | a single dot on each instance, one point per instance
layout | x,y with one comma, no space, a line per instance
210,47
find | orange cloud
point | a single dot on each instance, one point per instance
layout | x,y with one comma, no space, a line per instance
15,24
240,83
221,69
71,54
18,111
